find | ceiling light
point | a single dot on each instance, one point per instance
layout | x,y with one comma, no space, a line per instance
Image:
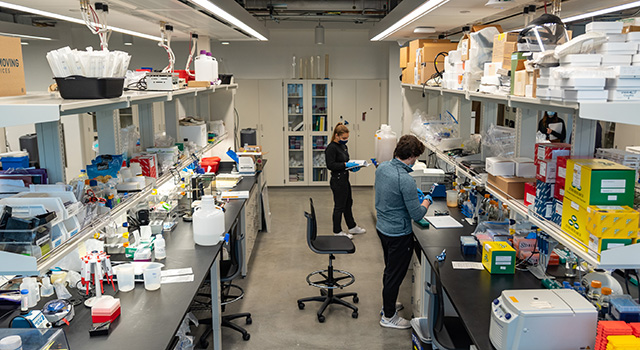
127,40
500,4
26,36
319,34
24,43
224,43
602,12
424,30
215,10
420,11
73,20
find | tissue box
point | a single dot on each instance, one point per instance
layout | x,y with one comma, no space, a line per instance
498,258
529,193
551,150
544,191
599,182
612,221
556,215
546,171
525,167
499,166
542,208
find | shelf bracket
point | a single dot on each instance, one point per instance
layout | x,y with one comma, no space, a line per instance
583,140
171,125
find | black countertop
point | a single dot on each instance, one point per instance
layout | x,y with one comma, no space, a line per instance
150,319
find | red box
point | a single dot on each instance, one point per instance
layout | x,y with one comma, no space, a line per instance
210,164
561,168
551,151
529,193
148,163
546,171
558,192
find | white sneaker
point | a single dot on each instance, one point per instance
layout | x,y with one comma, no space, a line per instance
399,307
357,230
342,233
396,322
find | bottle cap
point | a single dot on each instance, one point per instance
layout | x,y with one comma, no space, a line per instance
596,284
487,195
606,290
203,52
24,291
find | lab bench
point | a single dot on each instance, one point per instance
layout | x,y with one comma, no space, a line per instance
150,319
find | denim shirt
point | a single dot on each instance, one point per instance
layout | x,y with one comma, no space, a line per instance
396,199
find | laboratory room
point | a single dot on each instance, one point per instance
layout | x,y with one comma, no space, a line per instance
320,175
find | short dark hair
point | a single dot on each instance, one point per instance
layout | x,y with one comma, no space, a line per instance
408,146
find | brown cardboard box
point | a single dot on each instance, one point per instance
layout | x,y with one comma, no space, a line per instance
431,50
480,27
197,84
628,29
464,47
419,43
11,67
506,37
520,82
511,186
407,73
502,52
404,56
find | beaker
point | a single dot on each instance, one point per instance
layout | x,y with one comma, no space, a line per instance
126,281
152,276
452,198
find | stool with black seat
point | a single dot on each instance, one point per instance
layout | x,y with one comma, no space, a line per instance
329,245
230,269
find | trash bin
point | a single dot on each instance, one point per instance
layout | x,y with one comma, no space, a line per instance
420,334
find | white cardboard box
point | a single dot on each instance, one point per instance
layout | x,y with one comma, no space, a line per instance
583,83
581,60
604,27
585,95
525,167
194,133
633,36
624,95
628,48
617,83
616,60
499,166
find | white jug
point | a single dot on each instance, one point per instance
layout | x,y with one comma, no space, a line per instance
208,222
385,143
203,66
214,67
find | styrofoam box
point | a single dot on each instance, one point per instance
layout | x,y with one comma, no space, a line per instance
604,27
498,166
624,95
490,80
633,36
627,72
618,83
583,83
582,95
616,38
549,93
542,82
525,167
582,60
616,60
629,48
546,72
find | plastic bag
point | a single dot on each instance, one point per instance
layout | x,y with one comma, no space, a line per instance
493,228
584,43
499,141
417,125
186,342
541,138
129,137
164,141
480,52
105,165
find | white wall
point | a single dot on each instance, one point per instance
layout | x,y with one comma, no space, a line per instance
351,55
395,89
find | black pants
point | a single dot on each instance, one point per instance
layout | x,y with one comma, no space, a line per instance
342,201
397,257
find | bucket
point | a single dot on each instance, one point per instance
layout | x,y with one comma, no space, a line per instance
452,198
152,276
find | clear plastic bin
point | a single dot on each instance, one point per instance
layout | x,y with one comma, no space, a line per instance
624,308
38,339
35,242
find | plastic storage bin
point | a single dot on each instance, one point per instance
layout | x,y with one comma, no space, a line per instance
38,339
35,242
624,308
14,162
79,87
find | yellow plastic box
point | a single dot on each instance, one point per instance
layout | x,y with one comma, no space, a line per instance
499,258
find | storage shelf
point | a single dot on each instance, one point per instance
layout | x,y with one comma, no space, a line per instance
319,96
49,261
290,114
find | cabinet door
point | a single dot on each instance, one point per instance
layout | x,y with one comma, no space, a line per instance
272,129
248,105
296,133
343,109
319,95
367,122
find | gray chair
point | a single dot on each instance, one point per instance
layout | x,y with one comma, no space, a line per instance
328,245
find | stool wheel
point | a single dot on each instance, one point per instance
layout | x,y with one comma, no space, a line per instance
301,306
246,336
249,320
321,318
354,314
356,299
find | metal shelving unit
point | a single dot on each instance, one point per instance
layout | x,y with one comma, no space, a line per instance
583,118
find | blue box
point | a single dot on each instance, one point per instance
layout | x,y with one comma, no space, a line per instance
556,216
468,245
544,191
624,308
543,208
14,162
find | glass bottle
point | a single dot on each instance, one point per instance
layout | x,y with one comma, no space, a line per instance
604,300
595,291
463,196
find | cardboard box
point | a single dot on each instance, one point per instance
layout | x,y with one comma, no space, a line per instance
629,29
465,44
546,171
148,163
544,191
414,45
479,27
520,82
404,56
558,192
525,167
11,67
511,186
598,245
517,64
551,150
612,221
429,52
529,193
561,168
556,216
502,50
499,166
522,244
543,208
574,220
498,258
506,37
599,182
196,84
407,73
554,259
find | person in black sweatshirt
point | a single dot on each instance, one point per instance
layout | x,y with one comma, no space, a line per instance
553,126
337,156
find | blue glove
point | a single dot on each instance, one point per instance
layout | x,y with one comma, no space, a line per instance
429,198
355,169
420,196
351,164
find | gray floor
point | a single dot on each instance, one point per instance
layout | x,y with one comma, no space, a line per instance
276,279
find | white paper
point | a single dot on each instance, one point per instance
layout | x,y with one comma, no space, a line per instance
235,194
176,272
467,265
444,221
557,127
176,279
361,163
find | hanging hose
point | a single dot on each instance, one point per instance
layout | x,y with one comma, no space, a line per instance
166,32
192,51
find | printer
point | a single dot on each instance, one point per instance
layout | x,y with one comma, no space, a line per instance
542,319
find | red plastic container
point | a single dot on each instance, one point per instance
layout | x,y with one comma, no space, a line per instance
210,164
182,73
105,310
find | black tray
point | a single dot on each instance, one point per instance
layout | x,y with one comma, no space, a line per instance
79,87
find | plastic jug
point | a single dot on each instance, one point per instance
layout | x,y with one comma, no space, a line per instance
385,143
214,67
203,66
208,222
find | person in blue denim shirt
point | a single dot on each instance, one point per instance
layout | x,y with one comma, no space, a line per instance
398,202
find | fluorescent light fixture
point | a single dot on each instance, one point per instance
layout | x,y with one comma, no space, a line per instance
24,43
424,30
602,12
26,36
420,11
127,40
224,43
215,10
73,20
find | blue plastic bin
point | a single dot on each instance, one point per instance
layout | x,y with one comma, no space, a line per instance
14,162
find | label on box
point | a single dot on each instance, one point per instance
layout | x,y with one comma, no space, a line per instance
612,198
562,172
530,197
613,183
575,205
503,260
612,190
577,175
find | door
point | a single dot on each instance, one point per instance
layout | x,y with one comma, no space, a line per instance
295,125
271,129
319,95
368,114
